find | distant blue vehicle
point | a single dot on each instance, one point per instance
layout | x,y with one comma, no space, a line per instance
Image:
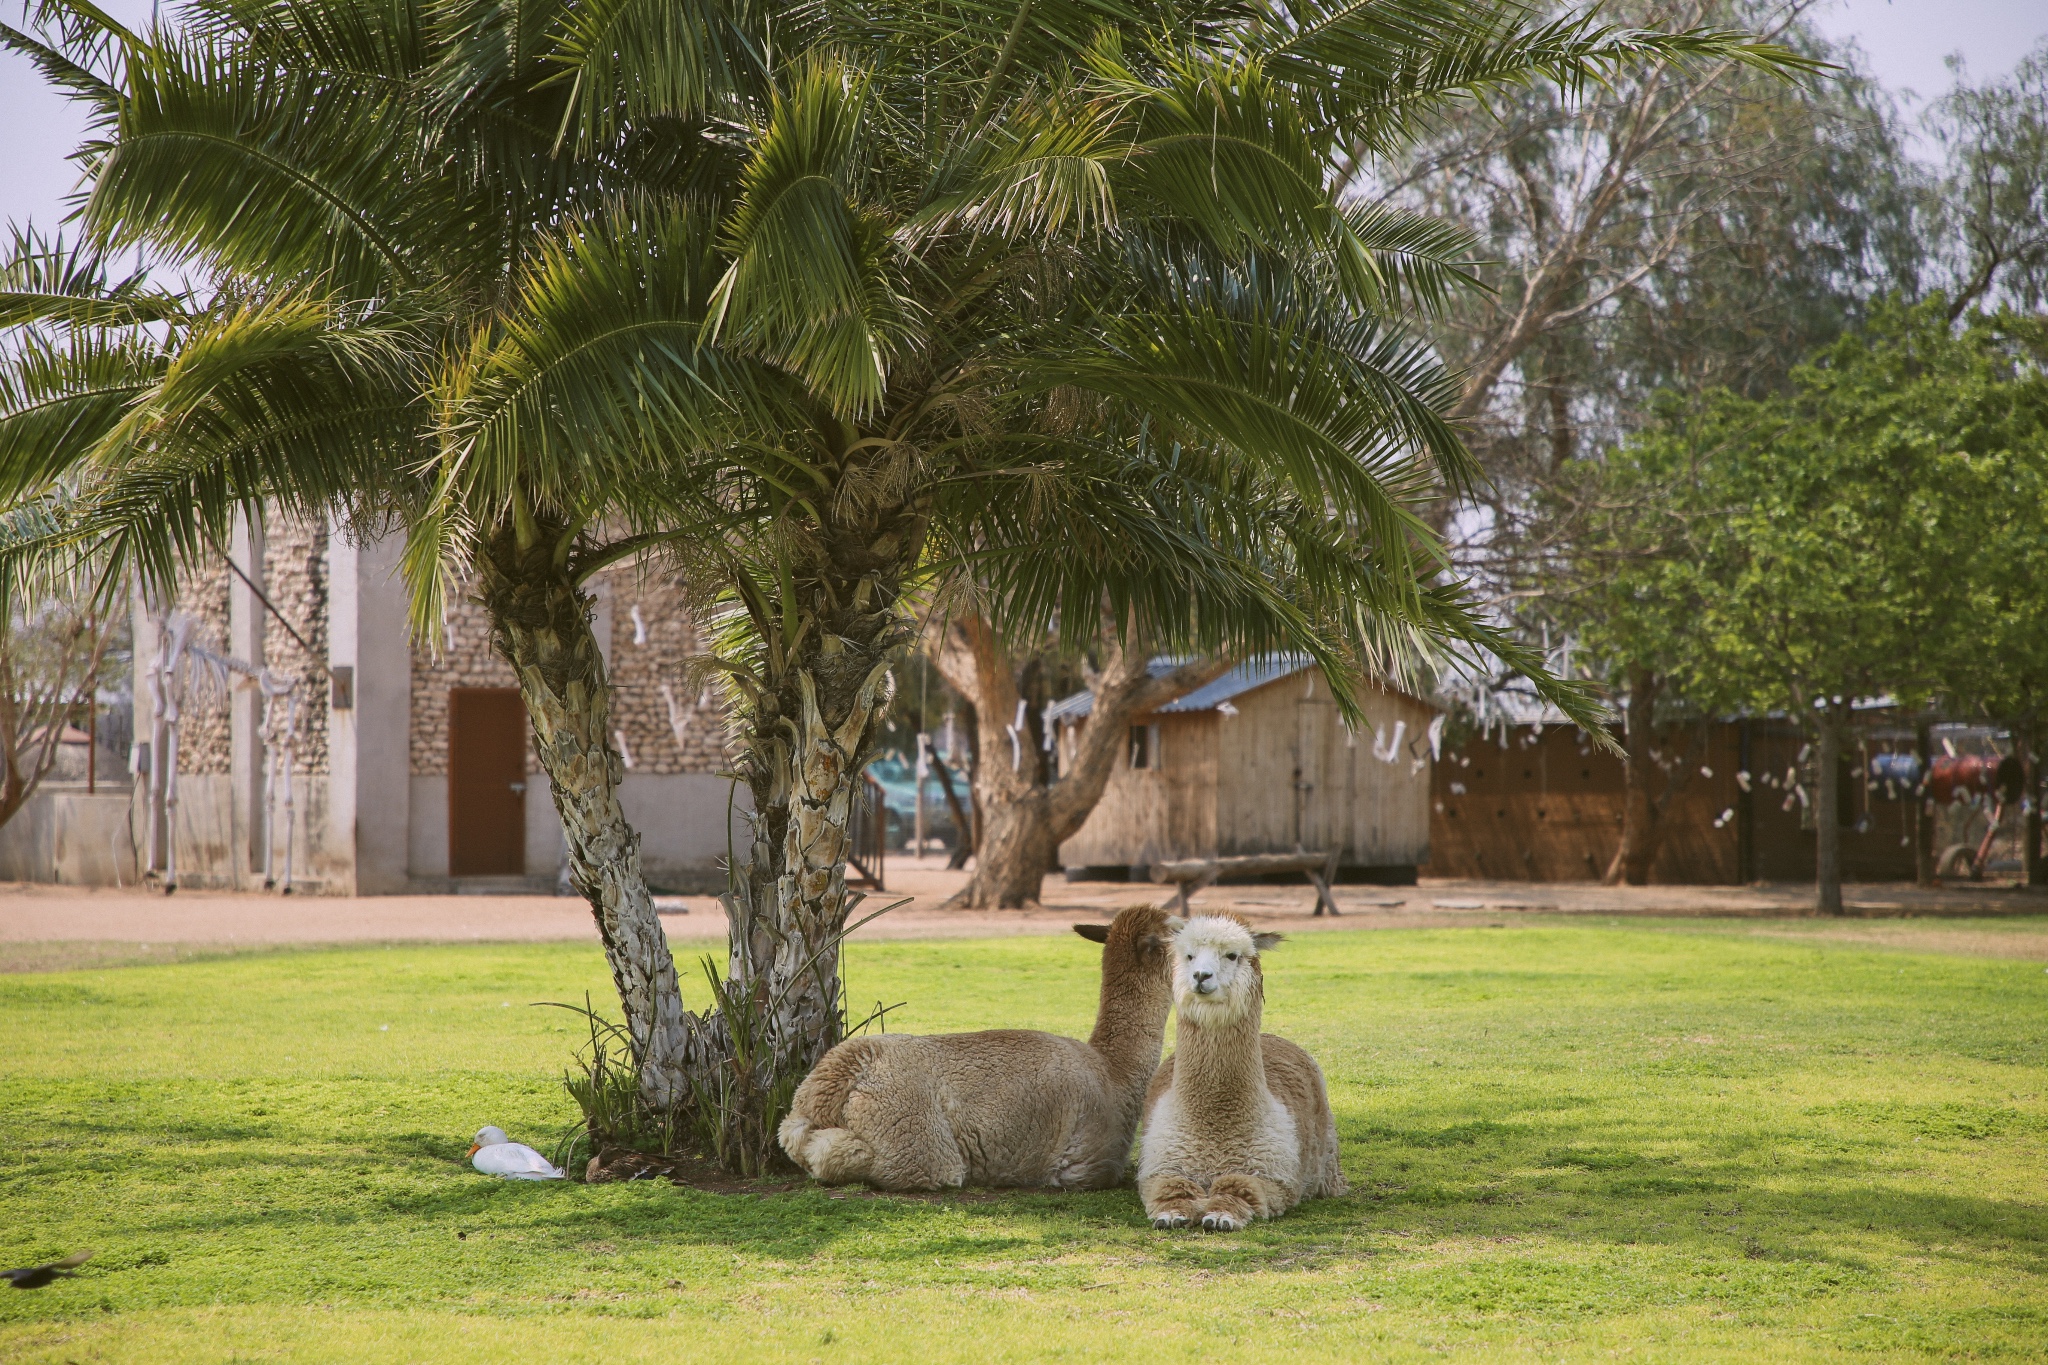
1898,774
897,777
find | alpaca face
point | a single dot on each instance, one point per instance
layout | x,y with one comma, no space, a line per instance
1215,968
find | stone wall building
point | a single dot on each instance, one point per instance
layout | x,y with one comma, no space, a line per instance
412,766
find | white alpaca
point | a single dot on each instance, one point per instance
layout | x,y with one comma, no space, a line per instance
1237,1123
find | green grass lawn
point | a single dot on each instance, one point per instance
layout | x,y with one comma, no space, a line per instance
1653,1141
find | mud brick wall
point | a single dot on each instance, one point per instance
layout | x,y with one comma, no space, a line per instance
651,697
205,744
640,671
295,581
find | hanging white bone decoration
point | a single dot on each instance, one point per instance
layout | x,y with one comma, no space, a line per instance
678,719
1948,746
1436,735
626,754
1457,789
280,743
1706,772
1742,779
1014,730
1389,750
639,626
1224,708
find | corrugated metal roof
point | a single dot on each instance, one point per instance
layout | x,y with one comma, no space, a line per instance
1243,678
1081,703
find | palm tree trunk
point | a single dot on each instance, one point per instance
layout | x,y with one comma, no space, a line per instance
789,902
1640,825
540,624
1827,825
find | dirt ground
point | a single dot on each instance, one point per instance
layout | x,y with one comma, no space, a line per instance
44,928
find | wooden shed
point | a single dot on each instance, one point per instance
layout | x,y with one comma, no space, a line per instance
1259,761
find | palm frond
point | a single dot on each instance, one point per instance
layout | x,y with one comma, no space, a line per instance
600,380
631,61
43,281
809,286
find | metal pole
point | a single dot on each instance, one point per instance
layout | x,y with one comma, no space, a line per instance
922,767
92,711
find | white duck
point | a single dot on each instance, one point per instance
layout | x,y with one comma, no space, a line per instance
495,1154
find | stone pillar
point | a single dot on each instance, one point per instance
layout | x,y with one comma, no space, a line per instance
149,739
369,760
246,627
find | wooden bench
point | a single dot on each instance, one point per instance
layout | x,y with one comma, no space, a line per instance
1189,875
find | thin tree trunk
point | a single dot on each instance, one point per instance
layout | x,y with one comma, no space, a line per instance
963,831
2032,873
1827,824
1923,818
1640,823
541,625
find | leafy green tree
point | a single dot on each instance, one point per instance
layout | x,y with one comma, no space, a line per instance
1832,541
1630,585
976,293
1995,656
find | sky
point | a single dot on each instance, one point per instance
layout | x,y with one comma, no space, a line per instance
1906,42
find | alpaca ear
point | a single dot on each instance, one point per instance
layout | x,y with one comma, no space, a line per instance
1094,933
1265,941
1174,924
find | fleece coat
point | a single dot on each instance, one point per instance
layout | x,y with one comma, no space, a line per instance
1237,1122
1002,1107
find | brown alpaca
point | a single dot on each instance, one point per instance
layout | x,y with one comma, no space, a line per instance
1004,1107
1237,1123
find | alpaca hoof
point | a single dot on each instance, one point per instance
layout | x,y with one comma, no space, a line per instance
1220,1222
1170,1220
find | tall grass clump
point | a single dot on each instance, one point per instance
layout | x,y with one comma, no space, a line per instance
729,1113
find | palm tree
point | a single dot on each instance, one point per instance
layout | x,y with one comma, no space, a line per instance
1016,300
366,190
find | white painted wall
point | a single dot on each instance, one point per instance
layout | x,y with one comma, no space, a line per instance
61,834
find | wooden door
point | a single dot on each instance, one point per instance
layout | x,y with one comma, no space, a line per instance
1317,789
486,782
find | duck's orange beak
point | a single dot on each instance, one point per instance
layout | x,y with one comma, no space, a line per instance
475,1147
